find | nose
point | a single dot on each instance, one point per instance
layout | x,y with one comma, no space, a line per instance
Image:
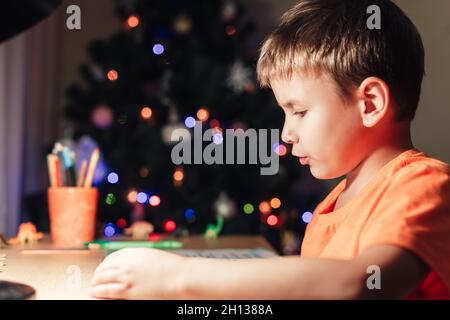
288,134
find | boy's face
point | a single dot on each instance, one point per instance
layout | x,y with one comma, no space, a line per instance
320,125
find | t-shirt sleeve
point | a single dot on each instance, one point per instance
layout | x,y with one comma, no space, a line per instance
414,213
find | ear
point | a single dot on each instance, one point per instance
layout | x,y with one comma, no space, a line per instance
374,100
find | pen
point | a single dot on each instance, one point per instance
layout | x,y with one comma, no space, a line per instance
91,169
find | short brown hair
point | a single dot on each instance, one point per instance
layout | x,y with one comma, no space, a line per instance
332,36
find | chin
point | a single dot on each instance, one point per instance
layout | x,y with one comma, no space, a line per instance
323,173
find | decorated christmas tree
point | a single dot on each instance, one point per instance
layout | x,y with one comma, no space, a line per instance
173,63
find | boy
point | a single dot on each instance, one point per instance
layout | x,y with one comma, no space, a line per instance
349,94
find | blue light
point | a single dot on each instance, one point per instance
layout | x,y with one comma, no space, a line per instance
141,197
113,178
217,138
307,216
189,122
109,230
189,214
158,49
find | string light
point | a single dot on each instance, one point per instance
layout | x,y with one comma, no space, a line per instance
154,201
202,114
272,220
275,203
112,75
170,226
264,207
158,49
146,113
113,178
248,208
307,216
133,21
132,195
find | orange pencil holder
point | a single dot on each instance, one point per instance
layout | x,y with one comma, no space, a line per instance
73,213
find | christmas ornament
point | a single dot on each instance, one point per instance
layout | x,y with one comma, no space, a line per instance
239,77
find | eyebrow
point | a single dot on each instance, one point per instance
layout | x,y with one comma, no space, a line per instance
288,104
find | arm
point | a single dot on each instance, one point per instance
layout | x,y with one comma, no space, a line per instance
157,274
301,278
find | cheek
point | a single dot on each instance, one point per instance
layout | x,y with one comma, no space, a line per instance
335,145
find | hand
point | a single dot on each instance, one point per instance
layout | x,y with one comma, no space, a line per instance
138,274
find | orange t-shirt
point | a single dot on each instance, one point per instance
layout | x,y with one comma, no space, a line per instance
407,203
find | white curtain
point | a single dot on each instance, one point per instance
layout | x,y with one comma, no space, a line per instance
29,108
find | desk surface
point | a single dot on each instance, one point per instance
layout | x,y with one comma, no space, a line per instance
66,276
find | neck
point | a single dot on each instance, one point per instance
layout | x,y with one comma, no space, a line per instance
386,147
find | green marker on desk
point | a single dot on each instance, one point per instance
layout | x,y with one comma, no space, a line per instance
117,245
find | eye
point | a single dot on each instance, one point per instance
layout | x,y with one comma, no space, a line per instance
300,113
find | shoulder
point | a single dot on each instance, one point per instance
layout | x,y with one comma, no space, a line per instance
419,173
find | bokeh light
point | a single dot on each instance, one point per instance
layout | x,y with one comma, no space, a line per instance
146,113
132,196
275,203
170,226
272,220
248,208
112,75
217,138
133,21
307,216
189,122
202,114
113,177
141,197
264,207
158,49
110,199
154,201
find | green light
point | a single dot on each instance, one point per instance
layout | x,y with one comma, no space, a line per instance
110,199
248,208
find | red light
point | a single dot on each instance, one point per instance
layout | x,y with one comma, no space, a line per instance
214,123
170,226
154,237
272,220
121,223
